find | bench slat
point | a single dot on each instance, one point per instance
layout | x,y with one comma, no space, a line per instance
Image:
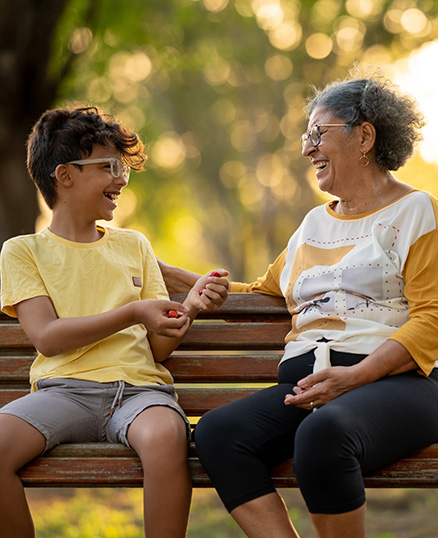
115,465
185,368
194,401
245,348
12,337
201,336
224,368
250,306
236,336
15,368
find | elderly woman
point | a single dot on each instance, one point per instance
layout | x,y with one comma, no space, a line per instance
358,383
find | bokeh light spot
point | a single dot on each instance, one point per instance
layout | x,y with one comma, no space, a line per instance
413,21
215,5
80,40
278,67
319,46
169,151
287,36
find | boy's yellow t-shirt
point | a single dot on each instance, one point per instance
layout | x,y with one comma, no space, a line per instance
83,279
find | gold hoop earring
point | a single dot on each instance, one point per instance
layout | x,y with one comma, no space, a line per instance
363,159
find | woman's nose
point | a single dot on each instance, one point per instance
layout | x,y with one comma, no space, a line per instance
308,148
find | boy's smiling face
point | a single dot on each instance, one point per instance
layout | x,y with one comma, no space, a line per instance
95,186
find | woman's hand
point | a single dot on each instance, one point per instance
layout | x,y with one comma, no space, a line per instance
210,291
317,389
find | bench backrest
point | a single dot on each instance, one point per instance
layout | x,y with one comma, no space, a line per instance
227,354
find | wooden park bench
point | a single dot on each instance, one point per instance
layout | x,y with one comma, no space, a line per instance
226,355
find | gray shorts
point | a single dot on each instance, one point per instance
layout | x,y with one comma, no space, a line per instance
77,411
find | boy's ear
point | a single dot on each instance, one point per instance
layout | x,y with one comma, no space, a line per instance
62,175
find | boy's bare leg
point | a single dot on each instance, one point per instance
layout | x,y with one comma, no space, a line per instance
265,516
159,437
19,443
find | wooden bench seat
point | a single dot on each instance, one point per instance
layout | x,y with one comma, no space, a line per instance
226,355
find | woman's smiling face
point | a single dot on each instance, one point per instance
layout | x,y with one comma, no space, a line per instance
335,158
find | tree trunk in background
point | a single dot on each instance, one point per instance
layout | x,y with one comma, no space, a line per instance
27,28
18,202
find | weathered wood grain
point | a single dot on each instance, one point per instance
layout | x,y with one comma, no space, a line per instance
226,355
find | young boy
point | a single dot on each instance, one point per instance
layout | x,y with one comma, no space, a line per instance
92,301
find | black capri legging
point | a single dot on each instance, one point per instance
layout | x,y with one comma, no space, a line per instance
360,431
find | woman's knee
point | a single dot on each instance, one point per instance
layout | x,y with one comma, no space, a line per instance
217,432
327,462
323,440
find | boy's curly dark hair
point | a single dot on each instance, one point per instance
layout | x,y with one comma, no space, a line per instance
395,116
69,134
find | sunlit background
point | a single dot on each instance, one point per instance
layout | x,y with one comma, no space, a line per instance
216,88
418,75
220,106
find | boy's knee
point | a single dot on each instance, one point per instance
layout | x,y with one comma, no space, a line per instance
162,435
172,432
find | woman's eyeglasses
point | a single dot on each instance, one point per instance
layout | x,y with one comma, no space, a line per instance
314,135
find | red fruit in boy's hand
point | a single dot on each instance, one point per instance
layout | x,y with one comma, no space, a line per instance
172,314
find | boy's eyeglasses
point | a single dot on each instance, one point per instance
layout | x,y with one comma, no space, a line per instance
117,167
314,135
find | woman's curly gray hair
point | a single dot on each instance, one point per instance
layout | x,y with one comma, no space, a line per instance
395,116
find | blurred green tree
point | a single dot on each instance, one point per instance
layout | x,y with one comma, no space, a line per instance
216,87
31,74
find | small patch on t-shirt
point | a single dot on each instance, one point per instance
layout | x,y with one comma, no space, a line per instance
136,281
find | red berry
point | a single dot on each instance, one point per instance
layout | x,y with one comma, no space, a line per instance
215,273
172,314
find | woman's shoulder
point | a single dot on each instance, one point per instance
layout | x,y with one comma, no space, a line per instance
317,211
419,200
417,212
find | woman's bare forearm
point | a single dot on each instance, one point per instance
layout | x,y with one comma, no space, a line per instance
391,358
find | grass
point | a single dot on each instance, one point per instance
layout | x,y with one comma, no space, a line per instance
117,513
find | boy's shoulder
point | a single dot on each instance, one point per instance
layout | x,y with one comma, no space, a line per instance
123,232
26,241
125,235
123,239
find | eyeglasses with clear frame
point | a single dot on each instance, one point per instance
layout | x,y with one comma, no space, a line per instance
314,135
116,166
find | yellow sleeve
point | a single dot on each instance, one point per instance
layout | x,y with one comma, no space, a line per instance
154,286
420,334
20,278
269,283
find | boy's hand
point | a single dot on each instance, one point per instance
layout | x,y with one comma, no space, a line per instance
210,291
164,318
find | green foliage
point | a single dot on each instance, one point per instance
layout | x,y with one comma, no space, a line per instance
92,514
108,513
216,88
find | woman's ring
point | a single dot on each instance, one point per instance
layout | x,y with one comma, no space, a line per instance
311,405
